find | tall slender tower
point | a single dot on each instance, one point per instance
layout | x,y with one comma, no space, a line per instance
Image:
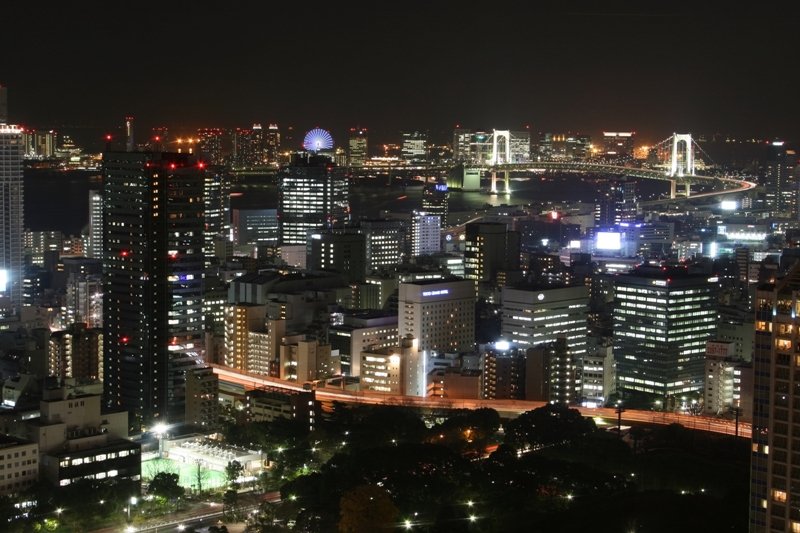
774,461
11,218
154,227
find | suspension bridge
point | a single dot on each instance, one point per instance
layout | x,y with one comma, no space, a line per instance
678,151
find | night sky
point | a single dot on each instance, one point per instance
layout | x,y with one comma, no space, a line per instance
402,65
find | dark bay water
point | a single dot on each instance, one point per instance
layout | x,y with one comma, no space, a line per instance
60,200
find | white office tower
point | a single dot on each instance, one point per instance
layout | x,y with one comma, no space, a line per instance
440,316
11,221
95,248
426,234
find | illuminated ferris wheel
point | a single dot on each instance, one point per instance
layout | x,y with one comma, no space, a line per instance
318,139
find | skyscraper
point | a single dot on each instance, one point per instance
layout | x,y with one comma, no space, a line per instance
248,147
461,141
774,475
489,248
434,201
209,145
312,195
153,280
359,142
11,221
662,320
217,200
781,189
415,145
272,144
95,247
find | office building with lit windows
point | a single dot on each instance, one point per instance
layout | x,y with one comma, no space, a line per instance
434,201
384,242
312,195
488,249
359,147
12,209
415,146
618,145
345,253
426,234
534,315
358,333
217,199
663,317
153,280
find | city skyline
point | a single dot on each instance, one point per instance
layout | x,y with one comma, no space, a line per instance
431,67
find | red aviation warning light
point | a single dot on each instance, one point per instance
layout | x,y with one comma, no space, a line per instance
124,340
124,253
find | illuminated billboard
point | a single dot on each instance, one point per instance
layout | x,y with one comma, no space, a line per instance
608,240
3,280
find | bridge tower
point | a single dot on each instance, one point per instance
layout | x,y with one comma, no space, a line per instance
506,156
499,159
682,166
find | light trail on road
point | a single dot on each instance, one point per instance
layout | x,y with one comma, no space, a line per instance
514,407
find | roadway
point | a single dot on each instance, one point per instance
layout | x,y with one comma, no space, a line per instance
504,407
204,516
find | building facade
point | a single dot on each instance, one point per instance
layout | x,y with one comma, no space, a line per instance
12,227
662,320
312,195
774,476
153,280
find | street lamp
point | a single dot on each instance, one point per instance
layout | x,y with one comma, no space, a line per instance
133,502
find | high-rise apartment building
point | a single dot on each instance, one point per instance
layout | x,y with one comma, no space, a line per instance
209,145
272,144
780,181
774,462
76,353
662,319
153,276
248,146
95,245
415,146
312,195
359,147
11,221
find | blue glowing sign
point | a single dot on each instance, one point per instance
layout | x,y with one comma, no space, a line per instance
436,293
441,187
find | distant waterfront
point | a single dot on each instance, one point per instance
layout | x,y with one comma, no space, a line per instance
60,200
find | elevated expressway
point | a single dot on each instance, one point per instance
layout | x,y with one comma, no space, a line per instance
731,185
504,407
